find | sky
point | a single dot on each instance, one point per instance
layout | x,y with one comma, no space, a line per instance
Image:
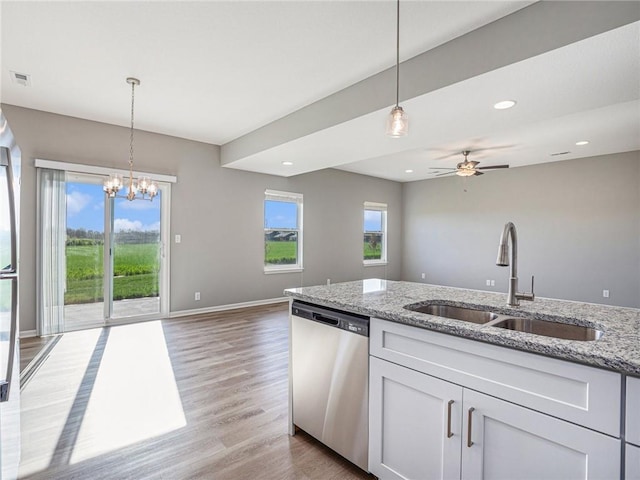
283,215
280,214
85,209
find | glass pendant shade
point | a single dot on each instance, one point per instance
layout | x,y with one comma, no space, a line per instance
112,184
397,123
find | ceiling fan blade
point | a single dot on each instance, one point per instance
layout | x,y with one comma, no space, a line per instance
442,168
477,173
445,173
494,166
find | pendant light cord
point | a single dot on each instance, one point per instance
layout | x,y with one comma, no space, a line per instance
133,89
397,53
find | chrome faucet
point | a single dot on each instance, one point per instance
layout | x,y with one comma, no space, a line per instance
513,296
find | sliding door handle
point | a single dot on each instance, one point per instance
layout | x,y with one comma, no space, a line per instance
8,275
449,432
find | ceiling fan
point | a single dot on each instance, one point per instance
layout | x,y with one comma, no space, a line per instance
468,168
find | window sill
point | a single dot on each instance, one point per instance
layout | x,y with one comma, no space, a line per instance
374,263
271,271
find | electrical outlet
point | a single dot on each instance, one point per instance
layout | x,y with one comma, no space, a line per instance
493,283
178,238
197,296
605,293
424,275
328,281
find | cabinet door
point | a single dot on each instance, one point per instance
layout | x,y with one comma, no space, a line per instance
506,441
632,463
633,410
414,424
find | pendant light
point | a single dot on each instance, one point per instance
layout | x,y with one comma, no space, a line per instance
144,185
397,121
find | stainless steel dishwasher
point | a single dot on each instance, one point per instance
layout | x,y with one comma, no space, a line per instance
330,378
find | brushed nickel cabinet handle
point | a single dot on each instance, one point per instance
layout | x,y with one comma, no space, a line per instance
449,432
470,419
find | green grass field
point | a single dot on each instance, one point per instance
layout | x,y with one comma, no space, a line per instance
372,253
280,253
135,271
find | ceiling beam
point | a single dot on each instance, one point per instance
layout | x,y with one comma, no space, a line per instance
541,27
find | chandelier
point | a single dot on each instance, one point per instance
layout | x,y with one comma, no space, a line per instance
144,186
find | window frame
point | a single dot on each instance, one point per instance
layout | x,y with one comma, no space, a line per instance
291,197
383,208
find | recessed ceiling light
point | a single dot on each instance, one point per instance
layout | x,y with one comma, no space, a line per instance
288,164
582,142
504,104
408,170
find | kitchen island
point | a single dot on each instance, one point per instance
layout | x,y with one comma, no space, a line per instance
618,349
448,400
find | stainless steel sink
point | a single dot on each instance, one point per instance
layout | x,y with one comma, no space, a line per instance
536,326
566,331
459,313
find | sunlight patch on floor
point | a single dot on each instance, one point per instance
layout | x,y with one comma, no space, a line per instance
135,396
46,403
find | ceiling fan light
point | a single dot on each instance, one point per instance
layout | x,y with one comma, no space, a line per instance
397,123
466,172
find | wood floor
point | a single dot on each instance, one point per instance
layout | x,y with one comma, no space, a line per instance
201,397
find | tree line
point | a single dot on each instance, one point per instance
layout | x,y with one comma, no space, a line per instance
83,237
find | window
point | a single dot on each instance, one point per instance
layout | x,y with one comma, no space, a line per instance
375,233
282,232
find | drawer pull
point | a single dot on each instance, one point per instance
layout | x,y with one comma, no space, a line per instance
470,420
449,432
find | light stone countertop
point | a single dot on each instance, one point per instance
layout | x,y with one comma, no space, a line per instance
618,349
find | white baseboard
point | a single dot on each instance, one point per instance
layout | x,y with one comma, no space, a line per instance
231,306
27,333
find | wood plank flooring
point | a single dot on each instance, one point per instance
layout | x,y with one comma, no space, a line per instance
202,397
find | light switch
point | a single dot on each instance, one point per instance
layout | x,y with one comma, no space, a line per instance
178,238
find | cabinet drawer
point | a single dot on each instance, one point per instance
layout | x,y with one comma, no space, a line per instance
583,395
633,410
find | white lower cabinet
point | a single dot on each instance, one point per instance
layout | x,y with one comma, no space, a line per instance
415,424
507,441
423,427
632,464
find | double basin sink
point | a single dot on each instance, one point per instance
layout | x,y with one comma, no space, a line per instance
537,326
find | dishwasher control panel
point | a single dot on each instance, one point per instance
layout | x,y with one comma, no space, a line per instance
351,322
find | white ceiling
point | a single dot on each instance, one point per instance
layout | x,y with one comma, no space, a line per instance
213,71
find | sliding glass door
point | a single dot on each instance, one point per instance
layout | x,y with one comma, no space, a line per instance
84,253
102,259
137,257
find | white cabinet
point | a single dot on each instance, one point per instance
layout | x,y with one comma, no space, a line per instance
632,464
632,425
633,411
415,424
440,418
506,441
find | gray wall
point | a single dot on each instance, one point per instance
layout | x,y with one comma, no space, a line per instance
217,211
578,224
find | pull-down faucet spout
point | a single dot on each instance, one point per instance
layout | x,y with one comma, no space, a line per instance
513,296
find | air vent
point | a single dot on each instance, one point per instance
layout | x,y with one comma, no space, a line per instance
23,79
559,153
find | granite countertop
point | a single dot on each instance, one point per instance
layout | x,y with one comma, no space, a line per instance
618,349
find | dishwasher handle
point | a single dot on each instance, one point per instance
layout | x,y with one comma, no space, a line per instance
318,317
